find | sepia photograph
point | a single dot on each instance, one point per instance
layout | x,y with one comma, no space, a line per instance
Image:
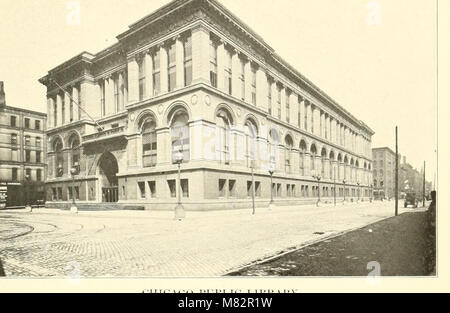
218,139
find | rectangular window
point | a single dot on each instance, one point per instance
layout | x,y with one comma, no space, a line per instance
306,116
152,188
172,67
288,190
77,192
269,96
253,86
28,173
38,157
54,194
258,189
141,65
156,73
249,188
242,78
14,174
279,101
102,97
213,63
232,188
116,93
306,191
274,189
141,186
288,108
27,141
63,108
69,193
299,115
60,193
278,190
27,156
13,121
172,188
185,188
38,174
228,72
37,124
222,184
188,61
38,143
27,123
293,191
14,139
55,112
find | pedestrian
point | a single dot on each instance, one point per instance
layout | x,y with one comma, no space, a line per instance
2,272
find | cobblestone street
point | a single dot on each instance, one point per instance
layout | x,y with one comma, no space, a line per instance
151,244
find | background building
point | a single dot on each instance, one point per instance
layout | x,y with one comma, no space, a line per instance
22,154
383,172
193,77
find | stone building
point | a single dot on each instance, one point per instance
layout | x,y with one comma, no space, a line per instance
192,78
383,172
22,154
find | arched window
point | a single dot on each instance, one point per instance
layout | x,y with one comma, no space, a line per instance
332,169
74,143
323,156
273,146
339,159
224,122
59,164
302,157
345,167
180,134
313,157
251,133
287,154
149,143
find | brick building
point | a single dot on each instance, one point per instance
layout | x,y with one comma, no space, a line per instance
192,77
383,159
22,154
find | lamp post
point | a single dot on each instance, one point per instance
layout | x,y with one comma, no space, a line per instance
179,210
271,171
318,178
73,172
359,190
371,193
344,181
28,207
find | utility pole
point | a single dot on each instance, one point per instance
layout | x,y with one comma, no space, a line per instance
396,170
423,183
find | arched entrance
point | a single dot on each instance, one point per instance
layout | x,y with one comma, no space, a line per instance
107,170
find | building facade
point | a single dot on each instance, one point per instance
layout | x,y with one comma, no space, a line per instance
22,155
383,172
192,80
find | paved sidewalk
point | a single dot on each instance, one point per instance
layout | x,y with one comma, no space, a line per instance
152,244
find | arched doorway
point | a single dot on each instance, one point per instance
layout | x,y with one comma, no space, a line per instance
108,169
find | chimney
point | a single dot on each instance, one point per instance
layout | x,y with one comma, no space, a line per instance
2,95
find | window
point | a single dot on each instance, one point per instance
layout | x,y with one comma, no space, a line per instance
223,128
102,97
38,157
13,121
122,79
141,187
14,139
269,96
60,193
185,188
299,115
116,93
288,190
74,142
38,143
242,79
273,146
232,188
213,63
306,116
71,108
257,189
28,173
288,108
228,72
55,113
141,64
27,122
37,124
278,190
172,188
63,108
253,85
180,135
251,133
38,174
274,189
172,67
27,156
77,192
59,164
288,151
69,193
149,143
188,61
156,73
27,141
14,174
279,101
152,188
222,184
54,194
249,188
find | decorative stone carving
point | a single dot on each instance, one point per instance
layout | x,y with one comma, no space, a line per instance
207,100
160,109
194,99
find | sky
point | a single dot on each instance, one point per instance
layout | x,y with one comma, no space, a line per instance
376,58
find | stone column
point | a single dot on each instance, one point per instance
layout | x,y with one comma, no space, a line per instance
109,106
133,81
274,99
261,89
164,149
59,117
302,113
283,105
50,117
248,81
164,69
200,55
179,50
307,163
67,109
149,74
235,81
293,107
76,103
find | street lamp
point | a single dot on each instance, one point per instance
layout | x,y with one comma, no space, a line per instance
73,172
318,178
28,207
271,171
371,193
344,181
359,190
179,210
